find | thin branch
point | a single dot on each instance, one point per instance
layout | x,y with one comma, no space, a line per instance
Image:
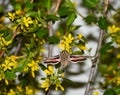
1,54
50,34
18,47
57,6
14,35
50,27
94,63
106,3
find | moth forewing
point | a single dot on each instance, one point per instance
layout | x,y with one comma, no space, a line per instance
78,58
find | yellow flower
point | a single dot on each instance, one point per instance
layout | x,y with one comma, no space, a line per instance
6,82
68,39
10,62
11,16
95,92
2,19
27,21
46,84
118,81
65,46
49,71
118,55
19,12
62,75
113,29
6,43
59,86
19,88
34,67
66,43
83,47
28,91
11,92
79,36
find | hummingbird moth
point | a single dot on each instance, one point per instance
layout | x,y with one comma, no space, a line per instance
65,58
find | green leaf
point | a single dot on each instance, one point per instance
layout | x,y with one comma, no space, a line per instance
117,90
42,66
72,28
48,4
31,13
63,12
90,19
29,6
102,23
71,18
103,68
109,92
51,17
53,40
17,6
106,47
41,33
68,81
90,3
1,8
57,65
10,75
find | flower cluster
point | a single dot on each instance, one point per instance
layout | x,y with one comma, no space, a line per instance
68,42
33,65
53,79
10,62
3,42
20,19
20,91
114,31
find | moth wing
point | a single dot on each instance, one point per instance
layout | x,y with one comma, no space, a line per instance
77,58
55,59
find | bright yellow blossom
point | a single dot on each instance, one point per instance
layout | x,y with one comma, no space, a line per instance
28,91
79,36
11,92
19,88
66,42
116,80
10,62
27,21
34,67
2,19
95,92
118,56
11,16
46,84
6,43
68,39
113,29
59,86
49,71
19,12
62,75
83,47
6,82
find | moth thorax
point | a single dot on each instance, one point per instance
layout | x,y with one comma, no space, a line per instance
64,57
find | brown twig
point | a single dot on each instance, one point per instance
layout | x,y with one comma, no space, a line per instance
19,45
50,25
1,54
95,61
106,3
14,35
57,6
